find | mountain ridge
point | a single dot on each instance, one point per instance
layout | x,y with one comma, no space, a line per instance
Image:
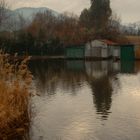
28,12
13,22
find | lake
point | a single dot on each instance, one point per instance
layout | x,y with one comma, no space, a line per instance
85,100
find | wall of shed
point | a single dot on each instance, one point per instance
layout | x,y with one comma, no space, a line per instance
92,51
116,52
96,49
104,53
75,52
97,43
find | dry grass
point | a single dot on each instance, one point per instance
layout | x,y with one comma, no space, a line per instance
15,81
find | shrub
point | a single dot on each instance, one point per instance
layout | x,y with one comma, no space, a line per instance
15,83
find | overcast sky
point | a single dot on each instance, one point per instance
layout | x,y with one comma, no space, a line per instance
128,10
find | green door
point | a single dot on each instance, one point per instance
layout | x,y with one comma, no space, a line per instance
73,52
127,53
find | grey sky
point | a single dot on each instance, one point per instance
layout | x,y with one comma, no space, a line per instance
128,10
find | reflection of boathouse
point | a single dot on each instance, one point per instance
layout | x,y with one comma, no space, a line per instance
98,69
102,93
75,65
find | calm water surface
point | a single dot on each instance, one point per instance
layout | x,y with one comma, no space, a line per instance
86,100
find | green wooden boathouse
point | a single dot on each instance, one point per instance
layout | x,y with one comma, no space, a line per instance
75,52
127,52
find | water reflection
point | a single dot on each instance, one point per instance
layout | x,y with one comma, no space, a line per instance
51,75
70,75
100,75
127,67
137,67
102,93
77,96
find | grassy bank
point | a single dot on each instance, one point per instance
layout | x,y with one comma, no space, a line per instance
15,81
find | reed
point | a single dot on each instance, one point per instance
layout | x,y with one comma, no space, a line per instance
15,83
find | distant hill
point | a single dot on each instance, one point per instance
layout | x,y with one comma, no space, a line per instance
28,12
13,23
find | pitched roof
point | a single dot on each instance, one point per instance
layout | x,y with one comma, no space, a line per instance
108,42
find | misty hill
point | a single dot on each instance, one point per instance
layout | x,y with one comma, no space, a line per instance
13,22
28,12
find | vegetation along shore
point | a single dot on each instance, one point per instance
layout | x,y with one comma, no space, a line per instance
15,82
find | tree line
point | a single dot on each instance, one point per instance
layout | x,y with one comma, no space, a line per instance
49,34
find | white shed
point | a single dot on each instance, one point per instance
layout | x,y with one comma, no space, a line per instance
116,52
99,49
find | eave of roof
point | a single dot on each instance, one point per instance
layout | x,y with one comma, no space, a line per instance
109,42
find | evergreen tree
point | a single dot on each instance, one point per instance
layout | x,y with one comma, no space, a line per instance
97,17
85,18
100,13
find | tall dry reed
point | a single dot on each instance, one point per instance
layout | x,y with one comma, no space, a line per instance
15,82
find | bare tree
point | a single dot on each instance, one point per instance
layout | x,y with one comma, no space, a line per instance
3,15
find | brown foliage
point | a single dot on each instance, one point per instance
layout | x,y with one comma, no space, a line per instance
15,80
65,28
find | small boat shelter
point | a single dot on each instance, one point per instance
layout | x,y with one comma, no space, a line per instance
75,52
127,52
101,48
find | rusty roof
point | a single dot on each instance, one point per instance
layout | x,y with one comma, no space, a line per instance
109,42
